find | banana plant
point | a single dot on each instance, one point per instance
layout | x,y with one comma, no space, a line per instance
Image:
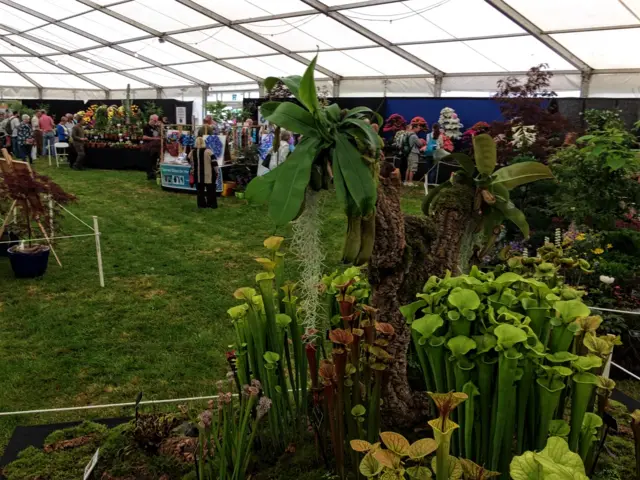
492,198
334,141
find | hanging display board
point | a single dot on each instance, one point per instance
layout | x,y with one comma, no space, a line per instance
181,115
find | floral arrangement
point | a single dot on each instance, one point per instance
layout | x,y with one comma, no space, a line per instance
447,144
394,123
421,122
450,123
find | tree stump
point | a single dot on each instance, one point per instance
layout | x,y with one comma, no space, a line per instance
407,251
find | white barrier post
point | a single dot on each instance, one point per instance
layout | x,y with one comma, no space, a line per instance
51,216
98,250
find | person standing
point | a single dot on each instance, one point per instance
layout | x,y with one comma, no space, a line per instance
70,123
3,133
283,151
12,127
415,146
151,139
61,131
47,125
78,139
37,133
25,138
205,173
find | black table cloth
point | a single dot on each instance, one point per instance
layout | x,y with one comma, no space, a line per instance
113,158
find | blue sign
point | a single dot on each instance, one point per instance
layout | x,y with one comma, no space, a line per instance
176,176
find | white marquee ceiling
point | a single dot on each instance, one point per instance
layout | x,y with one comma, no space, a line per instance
107,44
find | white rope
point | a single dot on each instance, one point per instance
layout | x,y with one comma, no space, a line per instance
51,238
110,405
615,311
625,370
74,216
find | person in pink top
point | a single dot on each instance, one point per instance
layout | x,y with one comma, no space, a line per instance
48,126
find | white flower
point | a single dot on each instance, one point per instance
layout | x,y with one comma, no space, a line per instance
607,280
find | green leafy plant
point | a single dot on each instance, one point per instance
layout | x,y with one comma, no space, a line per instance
226,434
492,197
264,326
351,383
332,139
508,343
554,461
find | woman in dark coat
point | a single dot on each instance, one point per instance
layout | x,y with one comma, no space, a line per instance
205,173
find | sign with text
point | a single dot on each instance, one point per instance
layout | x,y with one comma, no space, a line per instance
175,176
181,115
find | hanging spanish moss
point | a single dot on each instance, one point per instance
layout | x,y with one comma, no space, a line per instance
307,247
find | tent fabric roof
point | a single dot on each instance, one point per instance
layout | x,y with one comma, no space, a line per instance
395,46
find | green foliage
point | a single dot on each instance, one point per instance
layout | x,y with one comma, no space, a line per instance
493,197
555,461
333,140
597,179
85,428
601,120
516,352
151,108
262,351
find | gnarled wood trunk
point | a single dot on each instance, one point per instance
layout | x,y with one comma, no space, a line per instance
407,251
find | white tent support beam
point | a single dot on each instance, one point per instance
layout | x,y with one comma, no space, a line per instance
585,81
205,99
374,37
96,39
61,67
437,87
336,88
238,22
22,74
64,51
172,40
252,35
513,15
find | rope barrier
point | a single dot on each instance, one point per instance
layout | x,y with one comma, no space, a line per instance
625,371
110,405
628,312
74,216
51,238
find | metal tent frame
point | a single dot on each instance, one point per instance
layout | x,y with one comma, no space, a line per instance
25,44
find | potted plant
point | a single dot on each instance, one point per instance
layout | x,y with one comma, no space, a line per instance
27,189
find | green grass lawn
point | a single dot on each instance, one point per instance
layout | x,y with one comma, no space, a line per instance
160,324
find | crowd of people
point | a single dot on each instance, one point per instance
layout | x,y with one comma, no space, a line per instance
26,136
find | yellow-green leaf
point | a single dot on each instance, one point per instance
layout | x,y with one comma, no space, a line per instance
387,458
369,466
274,243
422,448
484,149
455,469
521,173
395,442
361,445
419,473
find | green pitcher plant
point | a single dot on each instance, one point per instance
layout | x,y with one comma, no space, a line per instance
526,355
268,346
335,143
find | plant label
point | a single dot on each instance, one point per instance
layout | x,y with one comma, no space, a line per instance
91,465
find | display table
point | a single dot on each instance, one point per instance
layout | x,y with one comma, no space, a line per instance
116,159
